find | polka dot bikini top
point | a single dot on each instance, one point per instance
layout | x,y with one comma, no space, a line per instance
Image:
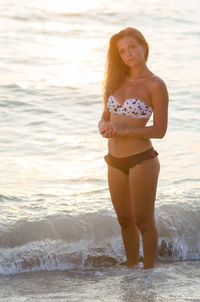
131,108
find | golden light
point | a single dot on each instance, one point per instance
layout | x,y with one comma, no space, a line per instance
65,6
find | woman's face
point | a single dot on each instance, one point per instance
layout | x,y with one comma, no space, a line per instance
131,52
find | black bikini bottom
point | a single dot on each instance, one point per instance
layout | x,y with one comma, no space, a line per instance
124,163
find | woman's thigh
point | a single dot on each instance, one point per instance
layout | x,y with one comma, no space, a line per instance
118,183
143,184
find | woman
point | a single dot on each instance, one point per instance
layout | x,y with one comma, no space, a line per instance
131,93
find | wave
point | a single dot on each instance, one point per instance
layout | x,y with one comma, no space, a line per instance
68,228
59,243
93,240
179,225
55,255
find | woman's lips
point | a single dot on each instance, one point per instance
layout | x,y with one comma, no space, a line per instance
130,60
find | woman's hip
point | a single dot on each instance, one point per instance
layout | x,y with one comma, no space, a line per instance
127,162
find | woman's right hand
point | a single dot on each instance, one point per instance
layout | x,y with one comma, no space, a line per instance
106,129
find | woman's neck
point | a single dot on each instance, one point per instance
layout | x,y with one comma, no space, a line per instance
139,71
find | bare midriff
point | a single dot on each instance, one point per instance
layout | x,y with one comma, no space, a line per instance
122,146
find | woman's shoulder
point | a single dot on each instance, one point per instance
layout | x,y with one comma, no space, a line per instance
158,89
155,82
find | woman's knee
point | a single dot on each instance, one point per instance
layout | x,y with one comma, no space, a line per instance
125,221
144,223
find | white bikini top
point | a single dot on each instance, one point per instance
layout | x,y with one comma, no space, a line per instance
131,108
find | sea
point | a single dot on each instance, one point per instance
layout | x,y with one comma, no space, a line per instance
59,236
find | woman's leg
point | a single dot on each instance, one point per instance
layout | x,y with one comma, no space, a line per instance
119,190
143,183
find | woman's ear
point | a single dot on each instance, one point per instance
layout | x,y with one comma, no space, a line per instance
144,51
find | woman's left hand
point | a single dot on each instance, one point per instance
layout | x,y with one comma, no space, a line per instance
120,130
112,130
108,130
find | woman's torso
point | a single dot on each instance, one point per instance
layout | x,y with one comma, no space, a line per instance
122,146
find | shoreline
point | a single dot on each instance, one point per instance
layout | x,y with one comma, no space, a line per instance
174,281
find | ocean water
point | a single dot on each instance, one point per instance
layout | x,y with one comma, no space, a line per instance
59,237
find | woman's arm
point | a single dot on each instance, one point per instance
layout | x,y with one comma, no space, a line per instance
105,117
160,101
106,128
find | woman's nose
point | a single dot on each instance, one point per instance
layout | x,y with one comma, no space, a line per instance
128,53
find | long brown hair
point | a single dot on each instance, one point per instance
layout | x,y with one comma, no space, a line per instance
115,69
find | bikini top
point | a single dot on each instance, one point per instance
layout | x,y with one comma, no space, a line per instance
131,108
